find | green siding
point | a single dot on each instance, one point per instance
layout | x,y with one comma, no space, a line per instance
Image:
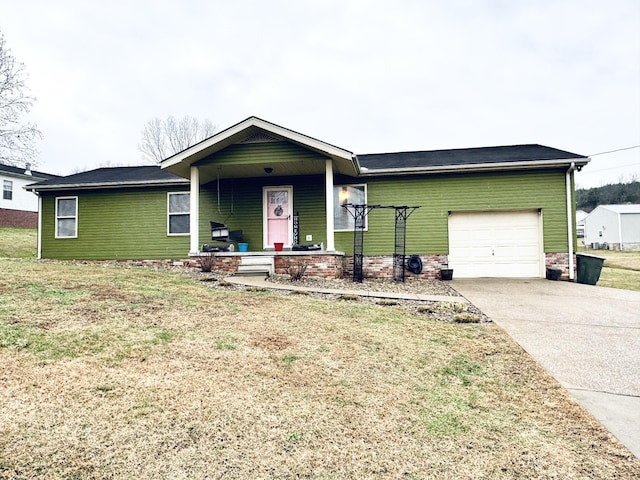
258,153
240,206
132,223
114,224
427,228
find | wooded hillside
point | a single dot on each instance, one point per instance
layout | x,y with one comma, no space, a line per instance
618,193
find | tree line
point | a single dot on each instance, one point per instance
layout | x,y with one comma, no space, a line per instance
617,193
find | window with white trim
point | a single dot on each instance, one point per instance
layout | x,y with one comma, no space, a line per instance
342,194
7,190
178,217
66,217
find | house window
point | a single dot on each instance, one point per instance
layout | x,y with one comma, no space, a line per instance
7,190
66,217
178,214
342,194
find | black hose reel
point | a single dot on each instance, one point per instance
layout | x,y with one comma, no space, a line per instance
414,264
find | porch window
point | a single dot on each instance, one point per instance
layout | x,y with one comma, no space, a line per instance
342,194
178,213
66,217
7,190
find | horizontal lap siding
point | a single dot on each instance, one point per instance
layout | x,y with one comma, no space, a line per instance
309,203
427,227
258,153
240,207
125,224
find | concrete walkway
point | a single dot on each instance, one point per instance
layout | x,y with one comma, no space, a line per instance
261,282
587,337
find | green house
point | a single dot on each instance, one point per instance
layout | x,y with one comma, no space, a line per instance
258,196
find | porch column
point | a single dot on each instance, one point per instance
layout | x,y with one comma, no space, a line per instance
329,203
194,211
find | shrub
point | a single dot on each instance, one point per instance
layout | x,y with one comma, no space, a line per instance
466,318
205,262
296,270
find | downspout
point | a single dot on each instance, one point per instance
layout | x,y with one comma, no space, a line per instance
39,226
194,211
570,218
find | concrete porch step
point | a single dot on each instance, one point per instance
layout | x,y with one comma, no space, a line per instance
251,265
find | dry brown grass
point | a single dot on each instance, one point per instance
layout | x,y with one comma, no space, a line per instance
110,372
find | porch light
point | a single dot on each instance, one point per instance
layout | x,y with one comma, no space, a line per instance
343,196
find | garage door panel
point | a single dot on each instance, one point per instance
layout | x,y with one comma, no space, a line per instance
495,244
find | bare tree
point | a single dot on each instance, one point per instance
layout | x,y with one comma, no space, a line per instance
163,138
17,138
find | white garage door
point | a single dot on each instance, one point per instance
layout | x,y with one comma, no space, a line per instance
495,244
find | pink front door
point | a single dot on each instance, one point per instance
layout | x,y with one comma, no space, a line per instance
277,215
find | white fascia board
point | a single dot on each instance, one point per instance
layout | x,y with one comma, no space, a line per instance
264,125
304,140
86,186
476,167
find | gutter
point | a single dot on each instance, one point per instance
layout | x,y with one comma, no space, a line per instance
471,168
91,186
39,233
572,167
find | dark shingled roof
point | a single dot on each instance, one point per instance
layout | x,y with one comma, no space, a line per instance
463,157
113,177
21,171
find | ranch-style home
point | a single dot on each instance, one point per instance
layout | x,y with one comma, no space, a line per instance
258,196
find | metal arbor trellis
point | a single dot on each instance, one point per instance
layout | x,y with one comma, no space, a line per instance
359,212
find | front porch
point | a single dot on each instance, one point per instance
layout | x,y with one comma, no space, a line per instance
255,176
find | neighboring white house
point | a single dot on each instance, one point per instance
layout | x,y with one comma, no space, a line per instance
580,216
613,227
19,207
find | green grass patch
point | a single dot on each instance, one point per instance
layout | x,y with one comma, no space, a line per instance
289,359
623,278
620,270
18,242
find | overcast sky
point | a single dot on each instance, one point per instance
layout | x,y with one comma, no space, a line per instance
368,76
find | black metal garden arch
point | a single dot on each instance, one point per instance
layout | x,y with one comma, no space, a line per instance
359,212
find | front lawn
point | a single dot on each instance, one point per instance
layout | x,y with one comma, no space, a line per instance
119,372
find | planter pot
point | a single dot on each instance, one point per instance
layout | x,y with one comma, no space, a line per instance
278,246
243,247
554,273
446,274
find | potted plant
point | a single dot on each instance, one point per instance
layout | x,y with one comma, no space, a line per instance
446,273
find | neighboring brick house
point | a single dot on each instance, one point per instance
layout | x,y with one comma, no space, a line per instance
19,207
506,211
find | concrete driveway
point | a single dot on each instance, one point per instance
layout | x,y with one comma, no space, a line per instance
587,337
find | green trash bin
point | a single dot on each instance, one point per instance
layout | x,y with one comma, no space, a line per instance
589,268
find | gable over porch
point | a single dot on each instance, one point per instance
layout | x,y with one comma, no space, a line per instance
267,157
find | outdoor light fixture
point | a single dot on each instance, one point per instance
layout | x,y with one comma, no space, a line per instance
268,169
344,195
